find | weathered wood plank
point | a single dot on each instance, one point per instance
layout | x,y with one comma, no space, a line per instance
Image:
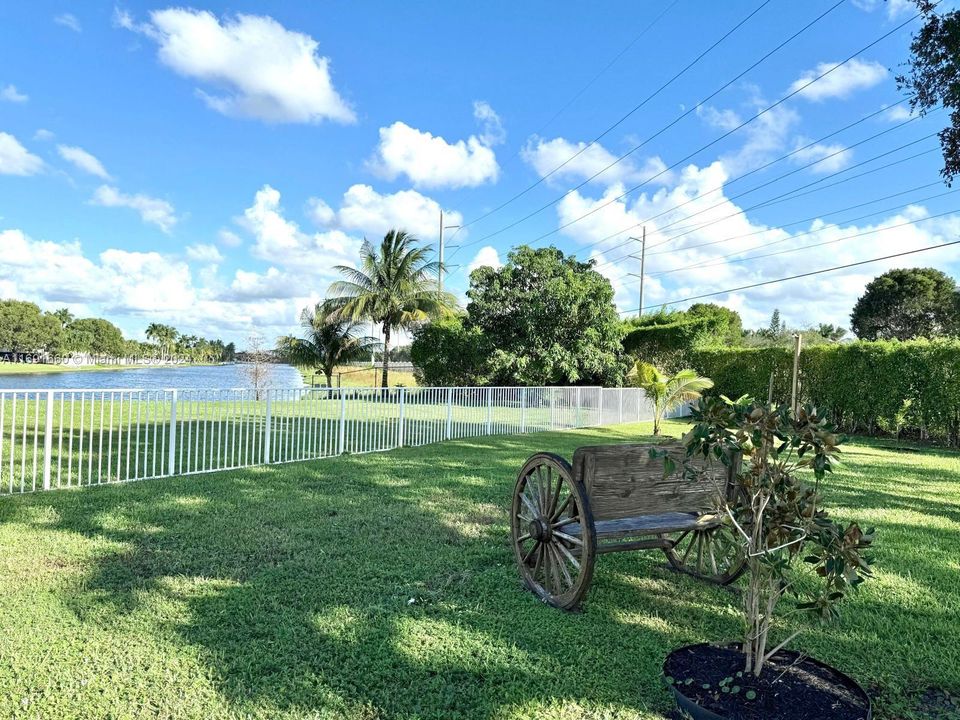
668,522
623,482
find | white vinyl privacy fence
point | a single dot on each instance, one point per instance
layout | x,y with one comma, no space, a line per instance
65,438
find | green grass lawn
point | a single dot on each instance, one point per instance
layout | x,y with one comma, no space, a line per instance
359,377
383,586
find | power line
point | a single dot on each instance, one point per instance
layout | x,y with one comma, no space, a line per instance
816,217
723,261
789,195
699,150
623,118
793,277
762,185
766,165
606,67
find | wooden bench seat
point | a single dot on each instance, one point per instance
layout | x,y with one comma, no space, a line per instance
659,524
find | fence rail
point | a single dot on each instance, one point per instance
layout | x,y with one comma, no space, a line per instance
67,438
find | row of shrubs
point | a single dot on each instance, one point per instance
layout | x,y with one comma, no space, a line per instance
908,389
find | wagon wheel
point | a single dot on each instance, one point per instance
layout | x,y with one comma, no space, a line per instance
712,554
554,539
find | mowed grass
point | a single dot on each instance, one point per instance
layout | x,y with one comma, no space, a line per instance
383,586
359,377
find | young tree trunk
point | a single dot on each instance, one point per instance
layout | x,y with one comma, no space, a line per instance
386,355
329,374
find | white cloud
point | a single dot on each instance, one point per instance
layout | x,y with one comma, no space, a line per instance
897,114
152,210
429,161
322,214
697,238
492,132
842,82
44,135
83,160
259,68
365,210
894,8
135,288
832,157
11,94
68,20
204,254
487,256
15,159
545,156
228,238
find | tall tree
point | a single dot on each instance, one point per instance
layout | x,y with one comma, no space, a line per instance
23,328
396,286
64,316
906,303
164,336
327,341
933,79
548,319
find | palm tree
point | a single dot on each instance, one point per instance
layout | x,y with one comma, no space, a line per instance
327,341
667,392
64,316
164,336
395,286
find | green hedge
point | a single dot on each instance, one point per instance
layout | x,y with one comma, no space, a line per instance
866,386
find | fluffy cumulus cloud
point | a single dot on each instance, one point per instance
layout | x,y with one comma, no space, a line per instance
15,159
135,288
894,8
151,210
202,253
251,66
839,83
703,242
11,94
562,160
83,160
430,161
365,210
487,256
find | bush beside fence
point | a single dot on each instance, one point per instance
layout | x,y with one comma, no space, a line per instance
910,388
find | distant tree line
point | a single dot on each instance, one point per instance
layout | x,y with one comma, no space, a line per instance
28,331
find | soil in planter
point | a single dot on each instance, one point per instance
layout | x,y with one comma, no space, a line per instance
786,690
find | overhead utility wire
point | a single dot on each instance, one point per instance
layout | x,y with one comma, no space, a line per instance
725,135
623,118
678,119
793,277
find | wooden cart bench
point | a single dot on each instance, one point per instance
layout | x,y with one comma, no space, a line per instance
612,499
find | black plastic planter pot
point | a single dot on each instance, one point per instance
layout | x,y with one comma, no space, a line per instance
705,682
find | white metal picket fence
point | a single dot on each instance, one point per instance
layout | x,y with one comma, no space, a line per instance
66,438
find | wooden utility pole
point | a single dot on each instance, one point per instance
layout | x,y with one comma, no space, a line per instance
795,384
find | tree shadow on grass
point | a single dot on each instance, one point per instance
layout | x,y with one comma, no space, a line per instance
384,587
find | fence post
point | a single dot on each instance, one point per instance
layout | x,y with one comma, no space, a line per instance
449,412
523,410
48,441
620,414
600,407
400,430
342,430
268,429
553,416
641,396
577,421
172,455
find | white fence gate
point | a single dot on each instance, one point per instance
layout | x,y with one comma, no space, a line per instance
65,438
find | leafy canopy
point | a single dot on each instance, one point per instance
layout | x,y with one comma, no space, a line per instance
546,319
667,392
907,303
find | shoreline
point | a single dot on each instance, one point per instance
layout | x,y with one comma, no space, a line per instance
41,369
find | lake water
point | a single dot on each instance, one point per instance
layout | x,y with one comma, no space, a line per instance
151,378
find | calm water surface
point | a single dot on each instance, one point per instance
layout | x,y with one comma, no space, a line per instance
151,378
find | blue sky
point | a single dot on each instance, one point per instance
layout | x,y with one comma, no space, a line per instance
208,165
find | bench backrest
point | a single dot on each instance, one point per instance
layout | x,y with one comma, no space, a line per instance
622,481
